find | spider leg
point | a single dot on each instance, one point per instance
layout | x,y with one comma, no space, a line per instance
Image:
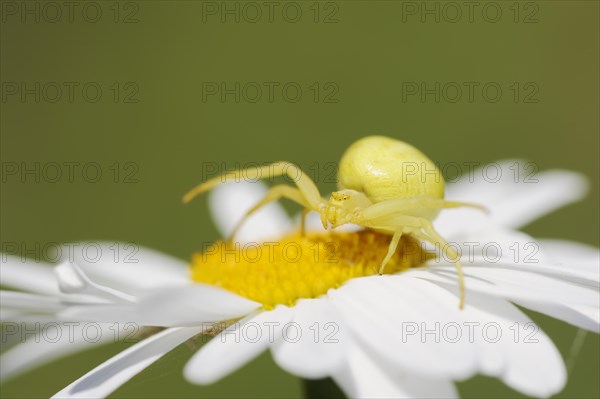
428,233
414,206
275,193
306,186
443,204
405,215
303,220
391,250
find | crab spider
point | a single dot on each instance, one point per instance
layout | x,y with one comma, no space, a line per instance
384,184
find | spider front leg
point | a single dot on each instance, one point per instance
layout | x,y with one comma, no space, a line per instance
275,193
305,184
307,194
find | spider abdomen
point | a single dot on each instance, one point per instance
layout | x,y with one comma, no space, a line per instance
384,168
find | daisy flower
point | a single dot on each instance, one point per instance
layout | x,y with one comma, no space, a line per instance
317,304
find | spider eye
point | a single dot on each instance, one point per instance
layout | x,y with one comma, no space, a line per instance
339,196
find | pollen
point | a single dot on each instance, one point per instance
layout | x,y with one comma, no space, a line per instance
300,266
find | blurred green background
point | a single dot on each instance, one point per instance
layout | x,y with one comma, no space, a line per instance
158,118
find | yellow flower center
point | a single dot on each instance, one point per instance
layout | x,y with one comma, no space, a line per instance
300,266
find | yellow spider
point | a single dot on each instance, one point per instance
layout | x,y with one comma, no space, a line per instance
384,184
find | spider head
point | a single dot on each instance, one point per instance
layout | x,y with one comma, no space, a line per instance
341,207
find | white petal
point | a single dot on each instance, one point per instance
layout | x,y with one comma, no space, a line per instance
363,377
170,307
493,246
314,342
106,313
561,299
516,198
10,315
52,341
526,203
381,311
27,275
194,304
571,273
71,279
127,267
512,347
509,249
29,302
13,316
230,201
573,254
523,284
236,346
582,316
110,375
541,257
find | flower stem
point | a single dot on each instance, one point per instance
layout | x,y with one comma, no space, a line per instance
324,388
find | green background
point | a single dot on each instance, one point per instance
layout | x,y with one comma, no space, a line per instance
169,49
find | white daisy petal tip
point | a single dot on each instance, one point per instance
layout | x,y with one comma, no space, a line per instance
70,279
514,192
235,346
199,376
200,372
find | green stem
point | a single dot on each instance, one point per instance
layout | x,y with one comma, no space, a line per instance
324,388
